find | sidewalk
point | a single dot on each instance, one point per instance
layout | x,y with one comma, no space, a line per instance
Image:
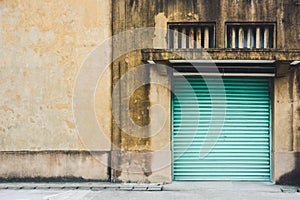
175,190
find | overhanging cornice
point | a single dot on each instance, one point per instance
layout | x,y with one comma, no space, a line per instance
164,55
267,62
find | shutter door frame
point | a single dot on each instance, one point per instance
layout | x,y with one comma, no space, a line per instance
269,138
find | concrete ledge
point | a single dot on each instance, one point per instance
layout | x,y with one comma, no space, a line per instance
220,54
142,167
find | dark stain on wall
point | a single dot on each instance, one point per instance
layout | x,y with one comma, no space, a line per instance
131,14
293,177
130,150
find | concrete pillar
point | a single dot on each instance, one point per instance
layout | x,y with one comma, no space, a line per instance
249,38
233,37
206,37
183,38
266,38
258,37
175,40
198,38
241,38
191,39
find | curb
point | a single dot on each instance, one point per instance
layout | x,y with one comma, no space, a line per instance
136,187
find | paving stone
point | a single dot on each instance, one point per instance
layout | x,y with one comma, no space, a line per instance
42,187
70,187
56,187
112,187
139,188
84,187
97,188
29,187
154,188
127,188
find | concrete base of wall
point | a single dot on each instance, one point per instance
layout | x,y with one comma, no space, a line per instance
54,165
142,167
87,166
287,168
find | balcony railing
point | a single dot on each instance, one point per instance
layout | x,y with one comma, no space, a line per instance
250,36
191,36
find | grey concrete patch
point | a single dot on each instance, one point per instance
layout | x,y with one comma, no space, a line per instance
228,186
288,189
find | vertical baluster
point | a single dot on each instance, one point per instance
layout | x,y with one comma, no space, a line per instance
233,37
249,37
258,37
206,37
191,39
266,38
241,38
176,35
198,38
183,38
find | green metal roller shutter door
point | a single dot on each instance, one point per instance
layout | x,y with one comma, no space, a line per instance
241,149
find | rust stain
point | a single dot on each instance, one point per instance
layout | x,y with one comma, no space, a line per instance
61,106
71,125
32,120
26,73
18,98
6,108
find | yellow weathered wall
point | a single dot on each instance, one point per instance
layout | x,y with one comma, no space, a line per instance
42,47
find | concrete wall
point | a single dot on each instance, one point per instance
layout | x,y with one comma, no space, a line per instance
43,45
138,14
141,135
130,15
53,166
286,128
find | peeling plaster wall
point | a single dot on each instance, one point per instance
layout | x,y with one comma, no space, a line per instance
43,45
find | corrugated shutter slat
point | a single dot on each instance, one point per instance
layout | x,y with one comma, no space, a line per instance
241,150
